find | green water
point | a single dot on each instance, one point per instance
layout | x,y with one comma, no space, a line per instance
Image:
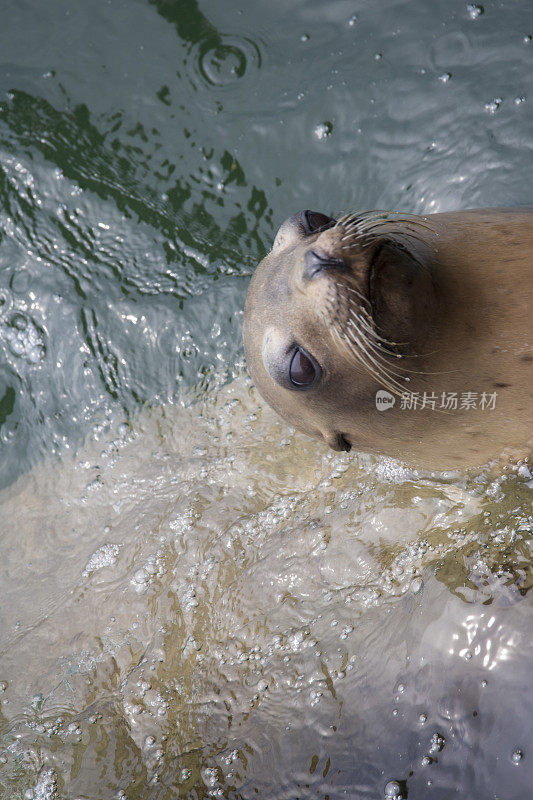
148,152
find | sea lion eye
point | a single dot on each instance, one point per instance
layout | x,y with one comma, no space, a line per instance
303,369
314,221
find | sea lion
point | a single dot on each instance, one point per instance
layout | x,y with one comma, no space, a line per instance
405,335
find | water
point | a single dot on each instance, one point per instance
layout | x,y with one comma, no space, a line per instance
197,602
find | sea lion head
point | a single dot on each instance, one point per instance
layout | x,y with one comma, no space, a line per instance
334,312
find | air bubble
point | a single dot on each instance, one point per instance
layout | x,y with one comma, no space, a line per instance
474,11
493,105
123,429
17,347
209,777
323,130
437,743
36,354
517,757
104,556
19,322
23,338
393,790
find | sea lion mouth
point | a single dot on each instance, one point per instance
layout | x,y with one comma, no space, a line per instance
337,441
343,443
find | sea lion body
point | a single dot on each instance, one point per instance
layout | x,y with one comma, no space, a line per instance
434,313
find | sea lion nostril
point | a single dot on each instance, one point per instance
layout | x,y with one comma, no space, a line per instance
314,221
316,262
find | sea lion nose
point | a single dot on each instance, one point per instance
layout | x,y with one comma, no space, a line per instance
316,262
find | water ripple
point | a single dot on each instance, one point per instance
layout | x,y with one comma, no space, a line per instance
227,61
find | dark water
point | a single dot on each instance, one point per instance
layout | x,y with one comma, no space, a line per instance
148,151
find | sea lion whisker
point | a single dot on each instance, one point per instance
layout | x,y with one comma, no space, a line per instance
364,220
356,292
352,232
376,343
344,218
361,316
385,380
360,240
384,377
379,224
361,228
358,235
415,223
354,222
365,313
381,346
390,215
350,229
354,219
350,220
380,367
378,357
392,228
384,344
407,370
368,323
382,356
356,352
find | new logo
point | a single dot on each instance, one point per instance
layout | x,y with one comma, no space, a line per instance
384,400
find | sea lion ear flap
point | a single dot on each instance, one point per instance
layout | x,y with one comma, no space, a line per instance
401,294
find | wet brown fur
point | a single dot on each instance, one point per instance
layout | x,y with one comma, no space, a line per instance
451,312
